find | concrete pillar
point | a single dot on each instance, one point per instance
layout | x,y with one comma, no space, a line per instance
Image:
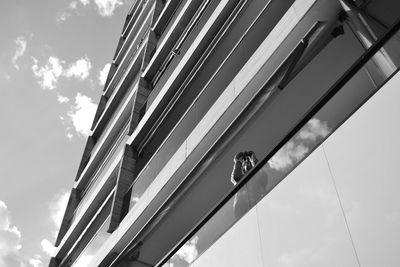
141,96
126,175
383,65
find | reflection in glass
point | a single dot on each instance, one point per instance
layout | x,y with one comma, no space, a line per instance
301,223
323,240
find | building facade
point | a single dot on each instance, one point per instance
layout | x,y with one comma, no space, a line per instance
309,86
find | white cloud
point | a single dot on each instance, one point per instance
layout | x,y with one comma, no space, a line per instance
49,74
62,99
73,5
84,2
36,261
61,17
20,50
288,155
10,240
79,69
299,146
69,135
314,129
47,247
103,73
106,7
82,114
187,252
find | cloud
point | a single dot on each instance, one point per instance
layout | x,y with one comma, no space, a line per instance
314,129
36,261
47,247
10,240
73,5
106,7
103,73
187,253
82,114
84,2
49,74
79,69
61,17
62,99
298,147
20,50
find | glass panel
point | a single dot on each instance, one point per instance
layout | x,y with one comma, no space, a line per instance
301,221
223,220
238,247
89,232
91,249
103,167
364,157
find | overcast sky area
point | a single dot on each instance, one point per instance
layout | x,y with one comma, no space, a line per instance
53,63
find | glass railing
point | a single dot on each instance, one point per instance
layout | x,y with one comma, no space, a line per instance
170,61
126,62
355,87
95,231
116,113
93,246
115,151
171,21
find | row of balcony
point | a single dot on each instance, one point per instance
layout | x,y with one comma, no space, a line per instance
114,134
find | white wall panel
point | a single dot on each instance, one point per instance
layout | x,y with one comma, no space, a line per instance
364,157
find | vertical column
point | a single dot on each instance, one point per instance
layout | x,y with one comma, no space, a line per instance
383,64
150,47
126,175
141,96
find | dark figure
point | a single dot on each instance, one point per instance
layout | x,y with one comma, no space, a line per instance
254,190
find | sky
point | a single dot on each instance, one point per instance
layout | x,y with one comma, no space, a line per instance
54,58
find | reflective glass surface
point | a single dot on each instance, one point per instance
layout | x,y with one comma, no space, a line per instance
334,208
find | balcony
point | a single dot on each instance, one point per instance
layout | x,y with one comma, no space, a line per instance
177,24
134,48
90,236
309,200
100,175
122,80
101,149
153,192
142,13
166,16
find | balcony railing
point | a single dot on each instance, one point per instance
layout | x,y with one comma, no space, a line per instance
136,21
333,106
94,229
100,174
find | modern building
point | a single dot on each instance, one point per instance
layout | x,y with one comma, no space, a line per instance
310,86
